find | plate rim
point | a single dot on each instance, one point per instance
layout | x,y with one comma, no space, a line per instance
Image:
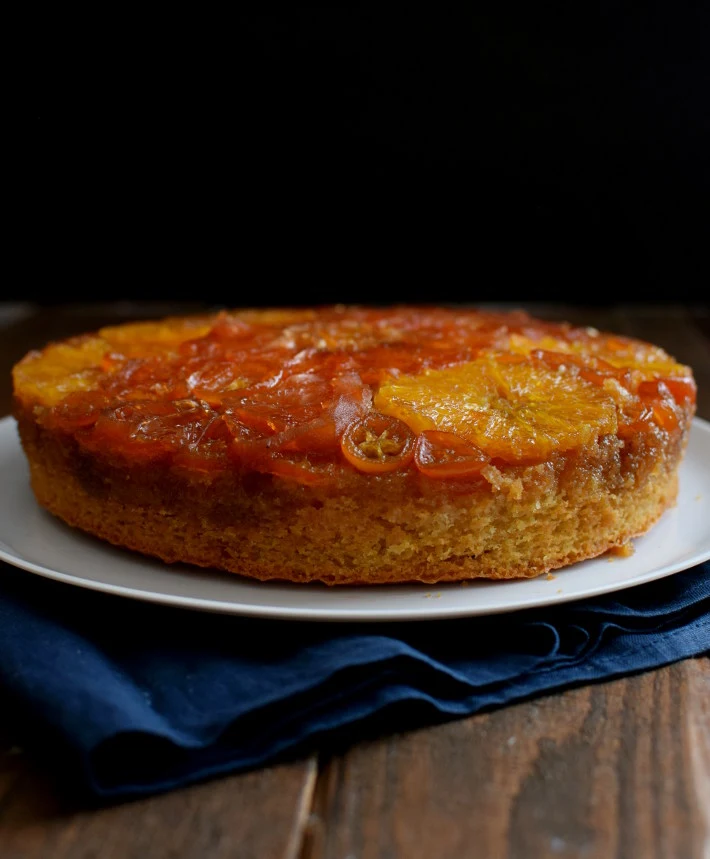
341,615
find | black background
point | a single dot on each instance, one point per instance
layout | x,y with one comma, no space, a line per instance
316,154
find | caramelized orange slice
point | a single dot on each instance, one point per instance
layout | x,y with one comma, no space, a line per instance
61,369
515,411
376,444
136,339
443,455
624,353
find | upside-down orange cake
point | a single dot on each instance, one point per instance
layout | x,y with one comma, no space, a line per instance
357,445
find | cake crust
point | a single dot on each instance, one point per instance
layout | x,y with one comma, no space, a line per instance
369,469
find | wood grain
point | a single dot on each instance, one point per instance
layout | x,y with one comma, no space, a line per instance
698,673
256,815
603,772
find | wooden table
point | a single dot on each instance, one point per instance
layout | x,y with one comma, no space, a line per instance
618,770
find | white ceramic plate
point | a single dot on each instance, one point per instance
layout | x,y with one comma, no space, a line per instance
35,541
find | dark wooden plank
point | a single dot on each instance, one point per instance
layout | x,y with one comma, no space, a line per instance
603,772
258,815
701,317
12,766
698,674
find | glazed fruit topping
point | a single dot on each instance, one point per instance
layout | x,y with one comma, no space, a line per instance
516,411
444,455
298,393
378,443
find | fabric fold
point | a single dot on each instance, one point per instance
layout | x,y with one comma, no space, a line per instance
147,698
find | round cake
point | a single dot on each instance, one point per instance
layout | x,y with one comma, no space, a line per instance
357,445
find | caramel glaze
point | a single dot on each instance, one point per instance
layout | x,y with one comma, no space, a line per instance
301,394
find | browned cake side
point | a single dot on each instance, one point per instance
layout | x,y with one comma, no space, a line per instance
357,446
383,529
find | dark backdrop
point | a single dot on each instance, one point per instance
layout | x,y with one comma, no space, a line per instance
540,152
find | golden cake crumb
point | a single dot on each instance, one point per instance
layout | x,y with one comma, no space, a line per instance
357,445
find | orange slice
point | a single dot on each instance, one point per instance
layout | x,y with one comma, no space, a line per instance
137,339
62,368
516,411
652,361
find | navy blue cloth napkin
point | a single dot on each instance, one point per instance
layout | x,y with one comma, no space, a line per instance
144,698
